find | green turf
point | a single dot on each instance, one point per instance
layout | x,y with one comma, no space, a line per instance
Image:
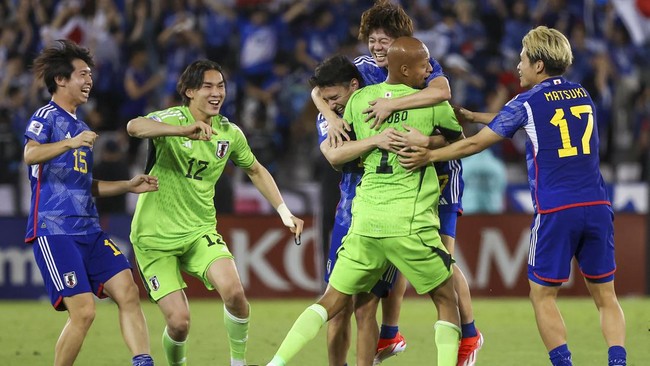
30,330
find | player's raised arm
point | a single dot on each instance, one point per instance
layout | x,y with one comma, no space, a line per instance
143,127
36,153
338,128
437,91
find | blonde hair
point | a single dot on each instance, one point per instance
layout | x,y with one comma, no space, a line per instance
551,47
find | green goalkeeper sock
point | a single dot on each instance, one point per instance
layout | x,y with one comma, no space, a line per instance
237,329
174,350
447,337
304,330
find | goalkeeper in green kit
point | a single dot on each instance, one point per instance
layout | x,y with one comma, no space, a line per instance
394,213
174,229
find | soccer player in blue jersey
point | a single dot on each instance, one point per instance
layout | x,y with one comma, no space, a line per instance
76,258
573,214
337,78
380,26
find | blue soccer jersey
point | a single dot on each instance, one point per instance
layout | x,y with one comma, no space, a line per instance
562,147
351,174
373,74
61,201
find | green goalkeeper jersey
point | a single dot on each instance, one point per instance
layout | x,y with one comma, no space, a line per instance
390,201
187,171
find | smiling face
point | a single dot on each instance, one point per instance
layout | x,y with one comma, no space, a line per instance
74,91
337,96
206,101
378,44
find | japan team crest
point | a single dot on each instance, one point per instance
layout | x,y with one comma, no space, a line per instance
153,282
222,148
70,279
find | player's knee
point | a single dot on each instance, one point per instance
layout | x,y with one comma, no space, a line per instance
237,304
83,316
178,324
129,295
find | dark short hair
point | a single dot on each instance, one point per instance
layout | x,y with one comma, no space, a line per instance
193,76
56,60
336,70
387,16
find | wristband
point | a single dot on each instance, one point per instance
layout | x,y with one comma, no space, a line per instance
285,215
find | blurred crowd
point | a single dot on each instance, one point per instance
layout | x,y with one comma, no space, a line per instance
270,48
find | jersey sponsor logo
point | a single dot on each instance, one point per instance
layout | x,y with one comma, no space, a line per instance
70,279
35,127
67,135
323,127
155,118
154,284
187,144
222,148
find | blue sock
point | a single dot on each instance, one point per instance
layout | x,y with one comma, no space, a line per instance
142,360
388,332
469,330
560,356
617,356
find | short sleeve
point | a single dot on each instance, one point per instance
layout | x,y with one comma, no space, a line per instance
39,130
242,155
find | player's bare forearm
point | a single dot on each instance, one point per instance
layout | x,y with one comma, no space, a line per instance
466,147
36,153
104,188
348,151
436,91
143,128
465,115
484,117
139,184
264,182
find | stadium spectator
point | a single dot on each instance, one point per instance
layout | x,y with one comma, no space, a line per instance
76,258
573,214
175,229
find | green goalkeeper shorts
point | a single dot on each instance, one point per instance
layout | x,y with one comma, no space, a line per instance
420,257
161,268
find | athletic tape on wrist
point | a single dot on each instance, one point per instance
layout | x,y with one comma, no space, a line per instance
285,215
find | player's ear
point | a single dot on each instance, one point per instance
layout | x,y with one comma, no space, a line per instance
539,66
354,84
189,93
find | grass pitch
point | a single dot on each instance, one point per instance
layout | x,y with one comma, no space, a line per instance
30,330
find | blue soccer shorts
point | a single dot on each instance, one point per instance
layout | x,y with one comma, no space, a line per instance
586,233
76,264
448,220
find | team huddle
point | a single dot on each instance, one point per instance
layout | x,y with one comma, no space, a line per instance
386,123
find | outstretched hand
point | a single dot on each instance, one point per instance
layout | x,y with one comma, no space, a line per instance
199,130
142,183
414,157
378,111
